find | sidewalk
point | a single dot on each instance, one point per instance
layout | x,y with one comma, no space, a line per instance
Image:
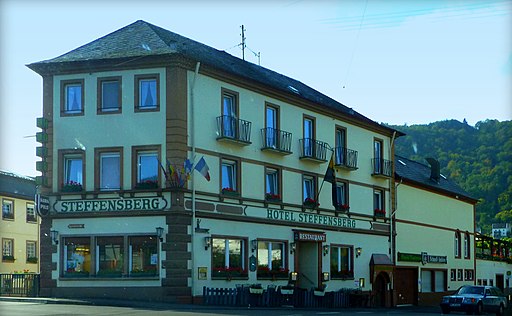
175,306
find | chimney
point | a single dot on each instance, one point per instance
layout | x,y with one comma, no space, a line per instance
435,171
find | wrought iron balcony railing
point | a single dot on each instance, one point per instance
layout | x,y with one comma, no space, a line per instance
382,167
345,158
313,149
231,128
276,140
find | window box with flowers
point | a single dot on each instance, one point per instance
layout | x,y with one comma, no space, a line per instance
8,258
147,185
70,273
310,203
286,290
379,213
342,275
229,273
32,260
271,197
148,272
229,191
264,272
72,186
342,207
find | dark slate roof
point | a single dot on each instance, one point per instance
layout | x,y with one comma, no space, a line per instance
17,186
380,259
420,174
142,39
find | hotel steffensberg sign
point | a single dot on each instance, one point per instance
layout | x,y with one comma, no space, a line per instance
111,205
309,218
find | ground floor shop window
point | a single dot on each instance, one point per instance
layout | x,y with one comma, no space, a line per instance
271,260
143,253
229,258
341,262
110,256
77,257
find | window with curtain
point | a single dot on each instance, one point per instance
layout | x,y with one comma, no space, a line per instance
457,245
271,127
272,184
31,213
7,209
308,188
228,258
73,98
341,262
309,134
229,176
340,144
271,260
31,247
378,202
467,245
7,249
426,281
73,172
229,114
147,93
342,193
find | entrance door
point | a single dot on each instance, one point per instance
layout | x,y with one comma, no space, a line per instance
308,264
406,286
500,281
380,289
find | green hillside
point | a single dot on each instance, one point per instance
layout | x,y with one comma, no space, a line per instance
477,158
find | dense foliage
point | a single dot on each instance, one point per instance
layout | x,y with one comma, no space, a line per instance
479,159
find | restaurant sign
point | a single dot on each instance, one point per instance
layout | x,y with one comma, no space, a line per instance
111,205
424,258
300,235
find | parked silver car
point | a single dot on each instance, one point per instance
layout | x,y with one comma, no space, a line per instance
475,299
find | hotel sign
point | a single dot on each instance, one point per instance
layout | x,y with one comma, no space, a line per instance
309,218
111,205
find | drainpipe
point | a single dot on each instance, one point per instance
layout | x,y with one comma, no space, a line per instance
193,145
392,191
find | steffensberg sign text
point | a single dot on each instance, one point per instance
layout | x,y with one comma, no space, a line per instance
111,205
310,218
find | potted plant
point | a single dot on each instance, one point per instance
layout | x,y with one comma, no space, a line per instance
272,197
147,185
256,289
229,191
342,207
8,258
319,291
310,203
380,213
71,186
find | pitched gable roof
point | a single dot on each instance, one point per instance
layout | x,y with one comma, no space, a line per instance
144,40
420,174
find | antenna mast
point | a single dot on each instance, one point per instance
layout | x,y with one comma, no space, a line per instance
243,42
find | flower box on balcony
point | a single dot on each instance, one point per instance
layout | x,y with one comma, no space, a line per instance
342,208
270,197
72,187
8,258
379,213
229,191
147,185
310,203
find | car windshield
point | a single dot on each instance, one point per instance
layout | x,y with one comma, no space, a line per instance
471,290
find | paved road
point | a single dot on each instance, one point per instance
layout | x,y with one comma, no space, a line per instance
43,308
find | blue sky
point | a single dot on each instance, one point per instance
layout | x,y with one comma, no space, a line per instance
394,61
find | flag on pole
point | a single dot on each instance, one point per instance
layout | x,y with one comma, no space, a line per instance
203,169
330,176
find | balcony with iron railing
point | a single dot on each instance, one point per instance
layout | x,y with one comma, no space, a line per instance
345,158
231,129
313,150
382,168
276,140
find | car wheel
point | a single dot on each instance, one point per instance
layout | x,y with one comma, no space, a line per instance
479,309
445,310
501,310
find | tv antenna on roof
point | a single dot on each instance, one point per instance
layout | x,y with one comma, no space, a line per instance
244,46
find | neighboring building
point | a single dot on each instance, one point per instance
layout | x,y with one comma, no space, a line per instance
434,240
494,262
19,226
124,224
500,230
